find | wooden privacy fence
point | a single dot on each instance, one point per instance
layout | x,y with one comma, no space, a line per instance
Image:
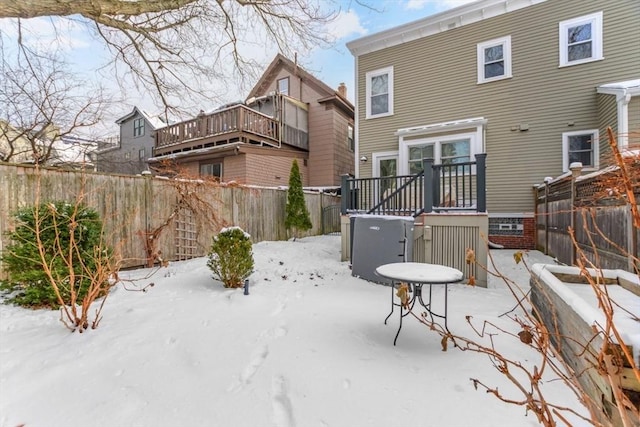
132,206
599,214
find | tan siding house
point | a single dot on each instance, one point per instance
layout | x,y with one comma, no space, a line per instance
288,115
526,81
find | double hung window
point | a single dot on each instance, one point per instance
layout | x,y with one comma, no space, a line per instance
379,92
283,86
580,146
581,40
494,60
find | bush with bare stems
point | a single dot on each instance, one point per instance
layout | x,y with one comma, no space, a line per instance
191,194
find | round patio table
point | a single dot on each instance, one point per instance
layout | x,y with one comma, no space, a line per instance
416,275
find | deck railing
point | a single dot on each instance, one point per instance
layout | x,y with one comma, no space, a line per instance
238,118
444,187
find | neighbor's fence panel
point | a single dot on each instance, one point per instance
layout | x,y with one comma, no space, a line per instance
558,223
602,221
614,222
132,205
119,200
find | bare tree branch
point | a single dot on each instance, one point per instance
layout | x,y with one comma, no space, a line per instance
174,49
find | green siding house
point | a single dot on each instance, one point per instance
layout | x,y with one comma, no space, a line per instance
532,83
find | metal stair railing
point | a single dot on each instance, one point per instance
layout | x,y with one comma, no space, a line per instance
449,187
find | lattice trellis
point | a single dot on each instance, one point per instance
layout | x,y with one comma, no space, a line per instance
186,236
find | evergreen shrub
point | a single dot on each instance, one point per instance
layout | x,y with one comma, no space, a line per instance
231,257
297,215
28,283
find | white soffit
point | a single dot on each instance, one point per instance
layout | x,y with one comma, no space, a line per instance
443,21
631,87
442,127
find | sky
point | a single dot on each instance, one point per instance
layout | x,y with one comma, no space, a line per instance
307,347
335,65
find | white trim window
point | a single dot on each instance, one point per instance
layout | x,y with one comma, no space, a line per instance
580,146
446,149
494,60
379,93
283,86
464,141
581,40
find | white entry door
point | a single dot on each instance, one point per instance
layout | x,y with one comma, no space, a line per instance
385,165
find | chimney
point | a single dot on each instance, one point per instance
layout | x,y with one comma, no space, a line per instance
342,90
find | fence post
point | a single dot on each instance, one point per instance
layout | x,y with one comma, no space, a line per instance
481,181
344,194
547,180
576,169
427,167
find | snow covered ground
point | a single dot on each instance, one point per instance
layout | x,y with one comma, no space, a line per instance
307,347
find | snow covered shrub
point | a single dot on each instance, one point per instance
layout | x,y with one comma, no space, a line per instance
231,257
52,243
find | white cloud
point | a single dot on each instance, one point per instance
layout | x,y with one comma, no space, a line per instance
346,24
416,4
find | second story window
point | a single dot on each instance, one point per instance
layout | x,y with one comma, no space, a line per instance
283,86
379,93
494,60
350,140
138,127
581,40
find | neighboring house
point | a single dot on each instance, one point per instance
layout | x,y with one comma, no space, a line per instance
129,153
63,151
73,152
15,145
289,114
533,83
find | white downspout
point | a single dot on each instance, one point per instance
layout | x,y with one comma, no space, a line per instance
623,118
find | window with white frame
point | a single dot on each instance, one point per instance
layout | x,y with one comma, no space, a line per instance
283,86
581,40
138,127
494,60
350,139
447,150
580,146
379,92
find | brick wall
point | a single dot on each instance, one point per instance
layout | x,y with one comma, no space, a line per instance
525,240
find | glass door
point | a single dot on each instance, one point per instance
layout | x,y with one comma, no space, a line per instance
385,167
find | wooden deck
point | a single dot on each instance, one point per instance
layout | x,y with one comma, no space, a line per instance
234,124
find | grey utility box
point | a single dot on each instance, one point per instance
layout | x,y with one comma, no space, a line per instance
378,240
